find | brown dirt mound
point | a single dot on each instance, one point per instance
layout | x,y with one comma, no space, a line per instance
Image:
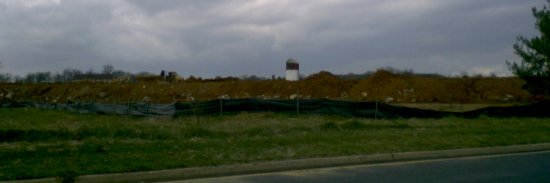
381,86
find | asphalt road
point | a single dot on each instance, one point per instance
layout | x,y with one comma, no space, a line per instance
527,167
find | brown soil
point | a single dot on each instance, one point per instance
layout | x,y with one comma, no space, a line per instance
383,85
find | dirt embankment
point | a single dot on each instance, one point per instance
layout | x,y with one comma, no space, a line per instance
382,86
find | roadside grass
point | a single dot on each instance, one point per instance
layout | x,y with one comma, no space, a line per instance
38,143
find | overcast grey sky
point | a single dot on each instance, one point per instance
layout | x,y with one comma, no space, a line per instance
243,37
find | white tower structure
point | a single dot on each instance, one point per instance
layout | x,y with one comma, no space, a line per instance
292,70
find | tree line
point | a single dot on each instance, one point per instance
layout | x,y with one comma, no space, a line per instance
67,75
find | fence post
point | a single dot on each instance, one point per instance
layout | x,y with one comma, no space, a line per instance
297,101
129,110
376,110
147,108
298,105
221,107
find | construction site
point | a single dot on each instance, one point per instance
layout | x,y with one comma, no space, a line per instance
381,86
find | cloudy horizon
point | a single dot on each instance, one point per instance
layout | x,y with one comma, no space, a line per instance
255,37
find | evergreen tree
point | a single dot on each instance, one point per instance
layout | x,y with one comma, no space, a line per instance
535,54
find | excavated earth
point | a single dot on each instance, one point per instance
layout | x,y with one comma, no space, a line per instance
382,86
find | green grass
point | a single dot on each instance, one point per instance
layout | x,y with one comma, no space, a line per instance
46,143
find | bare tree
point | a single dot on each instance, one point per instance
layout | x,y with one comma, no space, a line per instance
108,69
68,74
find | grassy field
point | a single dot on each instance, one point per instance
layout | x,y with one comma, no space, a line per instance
46,143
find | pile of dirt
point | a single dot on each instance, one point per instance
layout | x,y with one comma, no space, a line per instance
381,86
389,87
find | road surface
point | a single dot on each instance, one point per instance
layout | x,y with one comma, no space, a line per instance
526,167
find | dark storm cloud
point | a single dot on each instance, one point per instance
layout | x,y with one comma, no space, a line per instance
237,37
